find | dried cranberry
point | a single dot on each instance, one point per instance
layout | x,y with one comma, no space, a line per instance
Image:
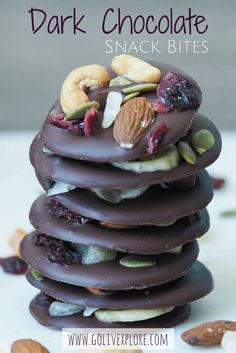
155,138
159,107
83,126
91,122
57,251
14,265
61,211
218,183
62,255
57,120
41,239
76,127
43,299
178,93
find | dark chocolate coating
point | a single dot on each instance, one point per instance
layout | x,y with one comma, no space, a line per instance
176,279
143,240
155,206
194,285
110,274
102,146
171,319
89,175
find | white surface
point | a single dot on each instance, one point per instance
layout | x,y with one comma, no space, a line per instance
18,190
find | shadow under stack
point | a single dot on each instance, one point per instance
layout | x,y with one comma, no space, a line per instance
125,200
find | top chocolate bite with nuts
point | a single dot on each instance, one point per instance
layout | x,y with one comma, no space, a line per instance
94,100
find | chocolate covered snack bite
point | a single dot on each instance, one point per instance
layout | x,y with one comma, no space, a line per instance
121,157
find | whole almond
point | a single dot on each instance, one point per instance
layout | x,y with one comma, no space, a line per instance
209,333
27,346
133,121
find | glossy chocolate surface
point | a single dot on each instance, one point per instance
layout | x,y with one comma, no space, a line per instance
175,279
102,146
93,175
171,319
142,240
110,274
155,206
194,285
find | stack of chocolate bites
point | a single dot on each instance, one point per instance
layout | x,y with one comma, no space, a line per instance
121,157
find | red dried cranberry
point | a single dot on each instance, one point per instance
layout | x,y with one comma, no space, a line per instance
73,126
84,126
155,138
41,239
62,255
56,119
218,183
178,93
43,299
76,128
159,107
57,251
61,211
14,265
91,122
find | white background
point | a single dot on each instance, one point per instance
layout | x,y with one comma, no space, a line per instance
18,190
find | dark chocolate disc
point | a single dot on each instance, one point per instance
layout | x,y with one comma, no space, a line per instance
102,146
155,206
89,175
110,274
196,284
143,240
171,319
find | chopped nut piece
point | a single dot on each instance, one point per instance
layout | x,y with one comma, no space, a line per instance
228,342
112,108
16,238
99,291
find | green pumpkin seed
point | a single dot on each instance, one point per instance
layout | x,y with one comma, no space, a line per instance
64,309
115,196
187,152
203,141
119,81
130,96
37,275
91,254
167,223
229,213
80,111
144,87
137,261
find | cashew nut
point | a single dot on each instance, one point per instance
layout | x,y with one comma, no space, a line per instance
135,69
73,91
